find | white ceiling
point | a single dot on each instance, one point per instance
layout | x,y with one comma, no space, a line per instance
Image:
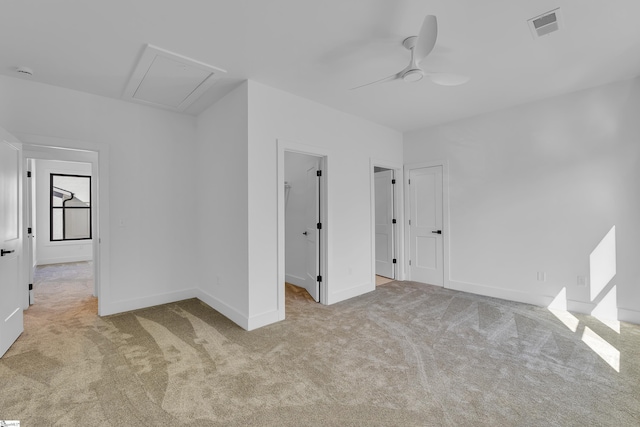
318,49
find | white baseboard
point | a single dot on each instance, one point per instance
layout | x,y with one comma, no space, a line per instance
631,316
294,280
226,310
62,260
506,294
580,307
263,319
350,293
625,315
116,307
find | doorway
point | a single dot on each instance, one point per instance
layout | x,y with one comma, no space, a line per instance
387,211
321,231
302,190
37,148
385,224
60,235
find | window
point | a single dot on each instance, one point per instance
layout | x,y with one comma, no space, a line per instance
70,207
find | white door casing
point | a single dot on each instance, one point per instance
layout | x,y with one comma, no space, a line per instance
11,315
384,223
30,254
312,194
425,225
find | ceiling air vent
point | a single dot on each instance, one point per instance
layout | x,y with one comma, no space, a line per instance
168,80
546,23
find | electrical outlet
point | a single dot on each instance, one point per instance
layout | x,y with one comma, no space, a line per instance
542,276
582,281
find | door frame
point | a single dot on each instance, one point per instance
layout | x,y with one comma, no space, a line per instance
50,148
445,217
323,154
398,206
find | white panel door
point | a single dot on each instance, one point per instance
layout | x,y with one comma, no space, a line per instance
312,195
384,225
425,228
11,323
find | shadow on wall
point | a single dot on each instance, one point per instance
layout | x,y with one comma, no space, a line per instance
602,270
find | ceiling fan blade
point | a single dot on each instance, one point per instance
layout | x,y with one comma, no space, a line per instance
446,79
426,38
386,79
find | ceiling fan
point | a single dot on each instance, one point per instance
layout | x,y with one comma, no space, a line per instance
420,46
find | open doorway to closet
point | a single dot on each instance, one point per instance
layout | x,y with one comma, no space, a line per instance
385,223
303,224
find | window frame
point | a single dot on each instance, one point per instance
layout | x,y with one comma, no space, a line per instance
51,209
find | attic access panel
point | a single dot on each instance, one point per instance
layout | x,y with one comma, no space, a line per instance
168,80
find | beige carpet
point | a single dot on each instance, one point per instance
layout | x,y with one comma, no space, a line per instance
407,354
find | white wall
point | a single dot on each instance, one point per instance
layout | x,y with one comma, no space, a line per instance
151,156
48,252
536,188
350,143
221,233
296,166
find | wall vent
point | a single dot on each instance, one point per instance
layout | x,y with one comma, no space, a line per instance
545,24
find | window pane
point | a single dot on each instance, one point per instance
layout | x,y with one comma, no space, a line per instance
67,187
56,224
76,223
70,207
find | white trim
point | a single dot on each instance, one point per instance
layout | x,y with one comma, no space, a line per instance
325,267
624,315
263,319
580,307
52,148
505,294
295,280
223,308
60,260
398,203
446,223
117,307
631,316
354,291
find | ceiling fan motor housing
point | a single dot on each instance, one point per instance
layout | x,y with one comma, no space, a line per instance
413,75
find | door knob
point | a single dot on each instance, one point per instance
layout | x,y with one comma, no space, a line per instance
4,252
437,232
305,233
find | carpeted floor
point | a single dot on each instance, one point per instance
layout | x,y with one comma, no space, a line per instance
407,354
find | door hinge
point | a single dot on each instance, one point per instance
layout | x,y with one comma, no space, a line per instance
28,174
409,262
30,286
409,182
319,278
319,226
393,221
28,230
394,261
393,181
409,222
318,173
